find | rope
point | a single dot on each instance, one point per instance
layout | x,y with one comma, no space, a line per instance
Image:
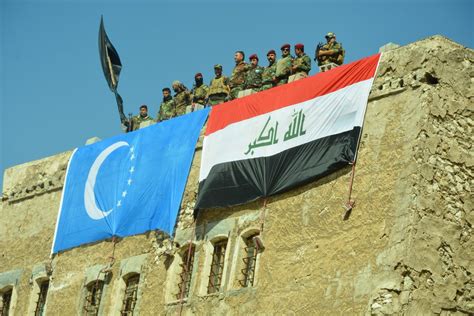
350,204
107,267
186,267
262,216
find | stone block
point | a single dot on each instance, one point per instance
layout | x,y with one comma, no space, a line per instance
93,140
39,271
132,264
10,278
387,47
94,273
297,76
245,93
146,124
197,107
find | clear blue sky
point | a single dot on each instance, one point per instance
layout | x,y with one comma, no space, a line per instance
53,94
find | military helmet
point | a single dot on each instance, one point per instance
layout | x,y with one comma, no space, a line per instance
217,66
330,35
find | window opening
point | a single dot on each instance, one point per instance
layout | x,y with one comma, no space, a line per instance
186,273
5,303
217,267
130,297
41,303
93,297
250,260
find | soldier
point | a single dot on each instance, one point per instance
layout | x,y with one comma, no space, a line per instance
167,107
301,64
253,80
182,97
237,79
269,72
331,52
219,89
283,67
141,118
199,91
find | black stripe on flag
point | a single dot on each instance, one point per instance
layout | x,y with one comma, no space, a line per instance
242,181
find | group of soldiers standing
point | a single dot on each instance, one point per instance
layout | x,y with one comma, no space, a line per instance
244,80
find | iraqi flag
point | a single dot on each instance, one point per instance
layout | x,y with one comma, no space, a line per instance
272,141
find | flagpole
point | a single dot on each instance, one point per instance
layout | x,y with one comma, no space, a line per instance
109,62
351,204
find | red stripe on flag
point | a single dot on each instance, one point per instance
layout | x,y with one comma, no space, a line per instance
293,93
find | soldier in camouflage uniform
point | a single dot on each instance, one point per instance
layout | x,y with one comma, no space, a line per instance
167,107
302,63
199,91
182,97
219,89
237,79
331,52
140,118
269,72
253,80
283,67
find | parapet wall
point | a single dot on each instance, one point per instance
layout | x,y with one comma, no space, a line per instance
405,248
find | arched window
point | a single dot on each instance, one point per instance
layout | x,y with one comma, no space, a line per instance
249,258
217,266
43,286
5,301
185,276
93,297
131,294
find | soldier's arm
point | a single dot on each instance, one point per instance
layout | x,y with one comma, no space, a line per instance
227,81
158,116
259,79
175,110
306,64
189,97
336,49
290,66
325,53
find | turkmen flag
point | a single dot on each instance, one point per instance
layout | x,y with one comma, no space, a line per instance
128,184
274,140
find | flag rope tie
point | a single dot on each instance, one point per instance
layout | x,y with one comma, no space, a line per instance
350,203
108,267
262,224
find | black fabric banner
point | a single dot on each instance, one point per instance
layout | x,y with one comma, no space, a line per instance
109,58
242,181
111,65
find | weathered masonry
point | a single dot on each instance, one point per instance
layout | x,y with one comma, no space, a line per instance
406,248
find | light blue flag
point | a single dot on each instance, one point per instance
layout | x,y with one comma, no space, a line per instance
128,184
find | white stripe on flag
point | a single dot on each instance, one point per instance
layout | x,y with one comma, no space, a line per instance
327,115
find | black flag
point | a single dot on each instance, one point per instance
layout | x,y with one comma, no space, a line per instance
111,65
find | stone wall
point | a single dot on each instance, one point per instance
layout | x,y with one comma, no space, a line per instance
405,248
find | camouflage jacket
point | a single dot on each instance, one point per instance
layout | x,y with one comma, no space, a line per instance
283,67
237,79
167,110
200,94
219,86
337,58
181,100
137,120
253,80
267,76
302,64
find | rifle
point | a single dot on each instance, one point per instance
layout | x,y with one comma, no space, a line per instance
318,48
128,123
